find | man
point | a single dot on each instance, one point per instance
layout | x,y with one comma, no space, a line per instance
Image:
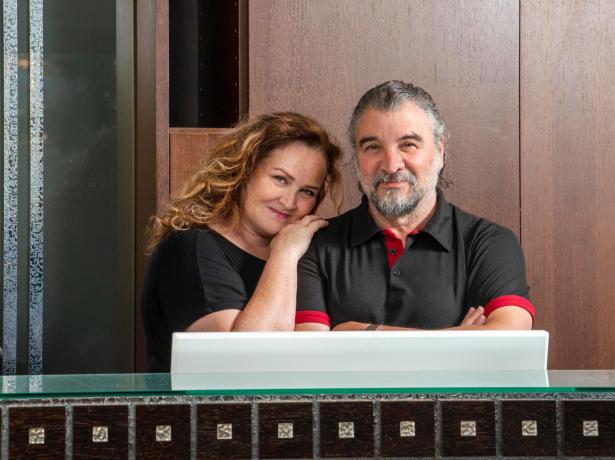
405,258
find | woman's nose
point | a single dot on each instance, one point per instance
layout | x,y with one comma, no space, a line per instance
289,200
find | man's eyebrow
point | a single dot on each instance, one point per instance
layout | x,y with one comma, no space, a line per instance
365,140
411,137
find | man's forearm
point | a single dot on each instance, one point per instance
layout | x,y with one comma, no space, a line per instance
504,318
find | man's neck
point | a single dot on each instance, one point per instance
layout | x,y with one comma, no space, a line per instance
404,225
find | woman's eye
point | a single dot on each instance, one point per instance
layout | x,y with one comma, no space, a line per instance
309,193
280,179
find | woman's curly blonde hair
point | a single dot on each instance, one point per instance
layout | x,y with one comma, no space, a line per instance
213,195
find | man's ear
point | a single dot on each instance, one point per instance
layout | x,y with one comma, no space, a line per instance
441,145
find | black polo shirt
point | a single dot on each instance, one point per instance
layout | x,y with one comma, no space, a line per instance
457,261
191,274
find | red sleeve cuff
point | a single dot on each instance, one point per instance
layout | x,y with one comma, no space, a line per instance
312,316
506,300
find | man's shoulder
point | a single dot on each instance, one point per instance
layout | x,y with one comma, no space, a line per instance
338,228
477,228
343,220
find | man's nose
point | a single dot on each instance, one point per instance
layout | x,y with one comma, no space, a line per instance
392,160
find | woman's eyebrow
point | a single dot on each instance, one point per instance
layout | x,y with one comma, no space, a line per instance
277,168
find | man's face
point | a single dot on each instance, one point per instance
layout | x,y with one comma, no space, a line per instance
397,161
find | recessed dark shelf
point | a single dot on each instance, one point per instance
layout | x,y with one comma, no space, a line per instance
205,63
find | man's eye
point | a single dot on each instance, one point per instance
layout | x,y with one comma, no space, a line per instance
408,145
371,147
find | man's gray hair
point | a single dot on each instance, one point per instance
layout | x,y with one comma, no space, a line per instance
391,95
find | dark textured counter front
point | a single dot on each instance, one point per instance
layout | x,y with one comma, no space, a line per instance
141,416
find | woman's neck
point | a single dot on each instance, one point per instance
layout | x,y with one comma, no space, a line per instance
245,238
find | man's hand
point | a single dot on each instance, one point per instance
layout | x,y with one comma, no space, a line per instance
474,317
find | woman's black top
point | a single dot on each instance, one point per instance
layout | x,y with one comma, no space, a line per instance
192,273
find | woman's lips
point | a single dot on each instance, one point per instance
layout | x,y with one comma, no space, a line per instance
279,214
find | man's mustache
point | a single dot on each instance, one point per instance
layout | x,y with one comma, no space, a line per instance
399,176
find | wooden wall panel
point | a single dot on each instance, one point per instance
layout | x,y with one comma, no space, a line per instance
187,147
318,56
146,167
567,165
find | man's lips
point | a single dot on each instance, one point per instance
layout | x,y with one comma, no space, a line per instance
392,183
279,214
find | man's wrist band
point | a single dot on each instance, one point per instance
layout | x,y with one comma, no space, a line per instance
372,327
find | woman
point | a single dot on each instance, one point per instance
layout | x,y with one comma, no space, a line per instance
225,251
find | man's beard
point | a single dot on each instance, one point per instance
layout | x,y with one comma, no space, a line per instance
393,203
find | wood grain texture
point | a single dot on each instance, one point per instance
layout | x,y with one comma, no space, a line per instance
188,147
567,166
162,103
422,444
209,416
575,443
145,157
147,417
360,413
270,444
544,443
319,56
456,445
115,418
51,419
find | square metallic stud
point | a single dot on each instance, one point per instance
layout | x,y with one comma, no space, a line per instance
468,428
36,436
345,430
529,428
224,431
100,434
590,427
407,429
163,433
285,430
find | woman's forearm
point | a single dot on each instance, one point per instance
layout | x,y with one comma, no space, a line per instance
272,306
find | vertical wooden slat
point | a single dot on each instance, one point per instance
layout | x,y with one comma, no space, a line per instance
162,103
146,166
567,165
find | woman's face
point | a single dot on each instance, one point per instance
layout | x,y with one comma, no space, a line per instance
283,188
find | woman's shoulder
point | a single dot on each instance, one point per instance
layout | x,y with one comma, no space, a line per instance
182,243
177,239
203,244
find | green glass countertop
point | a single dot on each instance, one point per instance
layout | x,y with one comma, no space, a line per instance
308,383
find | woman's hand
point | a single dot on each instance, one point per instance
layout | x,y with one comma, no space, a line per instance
294,239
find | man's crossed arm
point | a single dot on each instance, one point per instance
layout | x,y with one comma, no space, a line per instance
507,317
